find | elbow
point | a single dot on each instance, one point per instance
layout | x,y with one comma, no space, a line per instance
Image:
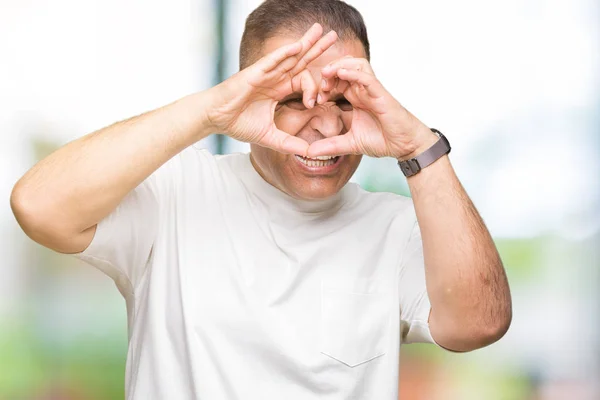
23,208
463,336
495,331
33,216
481,337
44,223
491,332
20,205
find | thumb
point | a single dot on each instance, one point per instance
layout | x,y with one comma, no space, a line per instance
285,143
333,146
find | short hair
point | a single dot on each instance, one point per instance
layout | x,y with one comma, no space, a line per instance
294,17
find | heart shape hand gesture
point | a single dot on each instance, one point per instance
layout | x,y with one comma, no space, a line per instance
381,126
243,106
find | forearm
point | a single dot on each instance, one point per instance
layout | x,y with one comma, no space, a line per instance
75,187
466,282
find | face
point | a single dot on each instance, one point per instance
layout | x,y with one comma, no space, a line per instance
301,178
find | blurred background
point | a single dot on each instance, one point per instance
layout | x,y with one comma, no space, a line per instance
514,84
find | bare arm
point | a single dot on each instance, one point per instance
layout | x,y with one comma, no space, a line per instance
60,200
466,282
465,278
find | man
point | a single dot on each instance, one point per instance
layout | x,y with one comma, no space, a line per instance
268,275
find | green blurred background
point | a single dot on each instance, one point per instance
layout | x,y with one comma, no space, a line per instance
513,84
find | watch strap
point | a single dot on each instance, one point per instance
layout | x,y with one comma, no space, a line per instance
437,150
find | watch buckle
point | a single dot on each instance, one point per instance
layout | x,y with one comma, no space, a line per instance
411,167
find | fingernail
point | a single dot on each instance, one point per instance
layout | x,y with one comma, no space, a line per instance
319,98
311,103
323,84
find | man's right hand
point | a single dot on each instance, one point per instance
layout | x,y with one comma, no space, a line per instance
59,201
243,106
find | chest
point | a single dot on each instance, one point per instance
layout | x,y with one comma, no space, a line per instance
319,291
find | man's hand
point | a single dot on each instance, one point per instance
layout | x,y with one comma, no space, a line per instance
381,126
244,105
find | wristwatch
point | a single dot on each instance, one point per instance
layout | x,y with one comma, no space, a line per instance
416,164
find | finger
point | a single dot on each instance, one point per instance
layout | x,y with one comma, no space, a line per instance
328,82
304,83
360,64
292,50
325,94
333,146
315,51
286,143
368,81
309,89
340,87
273,59
310,38
328,73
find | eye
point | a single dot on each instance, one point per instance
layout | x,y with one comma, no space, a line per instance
344,104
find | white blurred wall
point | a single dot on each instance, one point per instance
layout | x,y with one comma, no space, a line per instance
70,67
513,84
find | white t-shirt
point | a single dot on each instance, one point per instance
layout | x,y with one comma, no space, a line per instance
235,290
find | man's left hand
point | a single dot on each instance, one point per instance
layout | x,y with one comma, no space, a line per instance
381,126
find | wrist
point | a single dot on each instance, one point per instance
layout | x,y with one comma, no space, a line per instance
201,107
192,116
423,138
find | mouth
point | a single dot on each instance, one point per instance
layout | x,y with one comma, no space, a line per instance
319,165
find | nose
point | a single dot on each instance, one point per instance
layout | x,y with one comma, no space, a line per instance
327,120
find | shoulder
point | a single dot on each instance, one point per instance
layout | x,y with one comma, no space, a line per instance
195,163
191,158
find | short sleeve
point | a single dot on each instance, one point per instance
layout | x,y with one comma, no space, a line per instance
414,301
123,240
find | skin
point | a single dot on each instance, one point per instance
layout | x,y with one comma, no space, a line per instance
470,299
298,118
60,200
